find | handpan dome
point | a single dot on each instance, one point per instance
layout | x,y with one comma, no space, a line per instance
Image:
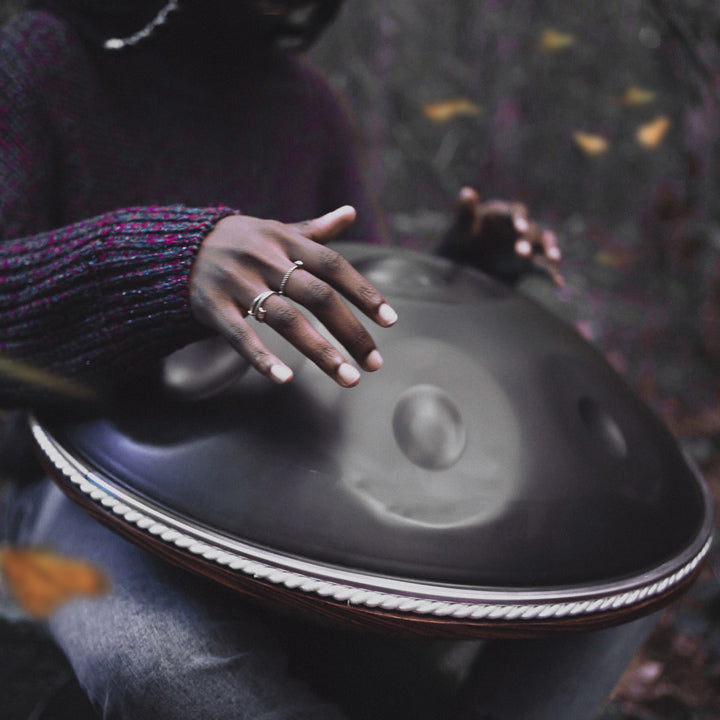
495,477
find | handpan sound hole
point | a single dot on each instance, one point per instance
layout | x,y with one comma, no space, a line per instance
428,427
602,428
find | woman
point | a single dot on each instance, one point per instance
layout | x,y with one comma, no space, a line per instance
158,164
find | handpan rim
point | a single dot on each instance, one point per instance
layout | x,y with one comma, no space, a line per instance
362,588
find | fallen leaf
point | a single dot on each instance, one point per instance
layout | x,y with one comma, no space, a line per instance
618,258
441,112
41,580
637,96
653,133
591,145
554,40
32,375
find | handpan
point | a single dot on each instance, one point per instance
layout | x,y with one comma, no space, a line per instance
495,478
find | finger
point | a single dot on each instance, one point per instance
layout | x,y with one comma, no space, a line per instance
231,323
550,246
536,241
328,226
530,238
466,206
507,208
337,272
530,232
551,268
503,217
521,224
543,251
524,248
289,322
329,308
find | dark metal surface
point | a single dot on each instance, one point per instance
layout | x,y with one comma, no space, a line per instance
495,448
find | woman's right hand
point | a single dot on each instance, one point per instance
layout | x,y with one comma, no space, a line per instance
498,237
243,257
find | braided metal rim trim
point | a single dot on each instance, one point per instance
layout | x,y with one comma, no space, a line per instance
410,596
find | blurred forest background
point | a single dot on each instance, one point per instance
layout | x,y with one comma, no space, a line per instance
604,118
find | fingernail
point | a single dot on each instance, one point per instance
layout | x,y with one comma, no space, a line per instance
523,247
387,314
339,212
373,361
280,373
348,374
554,253
521,224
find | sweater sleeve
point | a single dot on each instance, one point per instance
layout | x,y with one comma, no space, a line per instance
84,304
97,301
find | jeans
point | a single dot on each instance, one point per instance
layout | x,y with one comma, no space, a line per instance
167,644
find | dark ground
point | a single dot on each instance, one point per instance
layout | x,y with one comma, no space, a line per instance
639,225
676,676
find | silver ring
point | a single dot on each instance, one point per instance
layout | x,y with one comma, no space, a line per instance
297,264
256,306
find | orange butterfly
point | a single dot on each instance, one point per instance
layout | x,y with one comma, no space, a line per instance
41,580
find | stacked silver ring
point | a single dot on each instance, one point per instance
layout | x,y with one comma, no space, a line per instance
297,264
256,307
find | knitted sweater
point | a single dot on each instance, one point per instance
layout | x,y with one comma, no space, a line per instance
114,168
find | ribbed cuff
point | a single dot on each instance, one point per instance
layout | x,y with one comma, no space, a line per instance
140,269
102,298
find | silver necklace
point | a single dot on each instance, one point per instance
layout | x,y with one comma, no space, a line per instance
159,19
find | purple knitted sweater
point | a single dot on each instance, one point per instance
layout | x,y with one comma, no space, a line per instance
113,169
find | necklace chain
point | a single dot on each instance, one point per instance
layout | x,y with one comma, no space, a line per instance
159,19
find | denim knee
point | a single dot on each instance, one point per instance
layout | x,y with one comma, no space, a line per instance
163,662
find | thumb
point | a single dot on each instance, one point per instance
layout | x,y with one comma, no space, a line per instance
466,206
326,227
